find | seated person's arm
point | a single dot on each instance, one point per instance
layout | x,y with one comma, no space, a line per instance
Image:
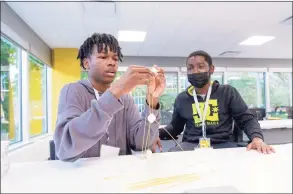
142,132
76,130
243,117
177,123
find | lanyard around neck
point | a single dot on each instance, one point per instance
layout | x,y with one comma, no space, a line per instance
202,117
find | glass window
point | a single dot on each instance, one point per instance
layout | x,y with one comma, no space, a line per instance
37,97
251,87
10,90
139,96
219,76
84,75
168,97
183,82
280,89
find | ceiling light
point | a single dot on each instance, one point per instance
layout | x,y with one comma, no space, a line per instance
131,36
257,40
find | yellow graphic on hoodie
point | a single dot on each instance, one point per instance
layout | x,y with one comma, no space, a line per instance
212,115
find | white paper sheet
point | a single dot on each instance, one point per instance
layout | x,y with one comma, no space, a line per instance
109,151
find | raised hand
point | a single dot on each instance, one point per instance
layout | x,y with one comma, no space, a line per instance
135,75
156,87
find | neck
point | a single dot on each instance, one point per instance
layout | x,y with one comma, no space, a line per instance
101,87
204,89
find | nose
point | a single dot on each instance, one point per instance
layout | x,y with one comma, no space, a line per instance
111,62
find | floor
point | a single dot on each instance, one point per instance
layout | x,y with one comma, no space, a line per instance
273,136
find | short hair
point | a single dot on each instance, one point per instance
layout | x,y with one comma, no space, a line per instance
204,54
99,40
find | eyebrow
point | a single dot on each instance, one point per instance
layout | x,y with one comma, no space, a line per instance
103,52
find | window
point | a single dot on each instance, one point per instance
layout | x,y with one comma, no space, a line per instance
139,97
168,97
84,75
219,76
10,90
251,87
280,88
37,97
183,82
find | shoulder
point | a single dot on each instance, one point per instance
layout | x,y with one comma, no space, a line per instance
226,88
71,89
183,96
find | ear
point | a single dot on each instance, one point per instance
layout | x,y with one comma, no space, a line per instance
86,63
212,69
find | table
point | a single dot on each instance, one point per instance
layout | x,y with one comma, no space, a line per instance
276,124
271,124
236,167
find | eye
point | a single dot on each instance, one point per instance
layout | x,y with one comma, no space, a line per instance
102,57
201,66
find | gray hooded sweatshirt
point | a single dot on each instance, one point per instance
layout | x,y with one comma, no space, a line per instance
85,123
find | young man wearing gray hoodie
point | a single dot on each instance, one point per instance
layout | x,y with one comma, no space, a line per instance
96,112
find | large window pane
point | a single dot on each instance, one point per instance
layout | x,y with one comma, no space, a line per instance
280,89
219,76
10,90
168,97
84,75
37,97
139,97
251,87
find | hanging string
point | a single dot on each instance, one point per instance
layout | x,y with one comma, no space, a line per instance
145,142
171,137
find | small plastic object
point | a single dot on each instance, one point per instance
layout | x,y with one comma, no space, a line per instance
154,70
151,118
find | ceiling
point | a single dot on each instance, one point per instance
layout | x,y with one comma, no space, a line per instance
173,28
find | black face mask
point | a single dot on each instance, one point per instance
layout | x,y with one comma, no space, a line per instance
198,80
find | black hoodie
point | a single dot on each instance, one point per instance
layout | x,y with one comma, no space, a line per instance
225,104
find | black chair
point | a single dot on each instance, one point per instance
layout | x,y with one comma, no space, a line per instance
52,150
166,117
238,136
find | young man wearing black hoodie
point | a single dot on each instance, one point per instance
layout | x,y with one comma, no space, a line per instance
219,105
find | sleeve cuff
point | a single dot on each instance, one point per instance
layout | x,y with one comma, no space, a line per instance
256,135
156,112
109,103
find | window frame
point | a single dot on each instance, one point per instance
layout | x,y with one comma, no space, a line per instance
19,90
278,70
23,98
44,132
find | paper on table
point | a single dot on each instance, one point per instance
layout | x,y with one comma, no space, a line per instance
109,151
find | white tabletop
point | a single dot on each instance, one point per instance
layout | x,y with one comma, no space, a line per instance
271,124
243,170
276,124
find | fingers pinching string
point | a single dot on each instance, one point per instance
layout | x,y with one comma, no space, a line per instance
154,70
